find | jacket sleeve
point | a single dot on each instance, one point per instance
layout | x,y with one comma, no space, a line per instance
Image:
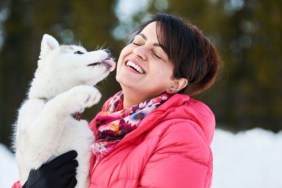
182,158
17,185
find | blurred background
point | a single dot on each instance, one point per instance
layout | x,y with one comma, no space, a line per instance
247,99
247,33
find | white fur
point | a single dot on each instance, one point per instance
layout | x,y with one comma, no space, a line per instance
46,129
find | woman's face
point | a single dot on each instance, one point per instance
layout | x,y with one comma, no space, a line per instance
143,67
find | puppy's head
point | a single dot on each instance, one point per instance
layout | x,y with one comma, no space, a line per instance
73,64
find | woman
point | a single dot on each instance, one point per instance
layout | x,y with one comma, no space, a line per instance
150,134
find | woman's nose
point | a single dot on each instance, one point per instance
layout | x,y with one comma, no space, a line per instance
141,52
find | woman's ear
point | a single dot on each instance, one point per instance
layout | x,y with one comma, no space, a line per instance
177,85
181,83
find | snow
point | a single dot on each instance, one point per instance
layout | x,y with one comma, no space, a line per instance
248,159
8,168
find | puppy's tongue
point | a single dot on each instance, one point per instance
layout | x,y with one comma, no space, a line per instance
111,63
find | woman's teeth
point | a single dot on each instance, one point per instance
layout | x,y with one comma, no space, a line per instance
135,67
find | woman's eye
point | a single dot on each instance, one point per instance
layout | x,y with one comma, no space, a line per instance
156,55
138,40
78,52
136,43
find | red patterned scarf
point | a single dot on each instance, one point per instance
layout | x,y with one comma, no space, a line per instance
114,122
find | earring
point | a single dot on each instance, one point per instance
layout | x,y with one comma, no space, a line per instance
170,90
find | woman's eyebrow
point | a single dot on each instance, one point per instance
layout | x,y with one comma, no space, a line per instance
143,36
155,44
159,45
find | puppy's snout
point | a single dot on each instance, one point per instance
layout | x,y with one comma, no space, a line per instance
108,52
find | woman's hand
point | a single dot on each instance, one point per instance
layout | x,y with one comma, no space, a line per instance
58,173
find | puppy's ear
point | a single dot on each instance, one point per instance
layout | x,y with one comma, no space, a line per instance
48,44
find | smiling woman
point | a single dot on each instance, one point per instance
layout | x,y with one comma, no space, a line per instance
150,134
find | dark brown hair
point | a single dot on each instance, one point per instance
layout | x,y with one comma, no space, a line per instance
192,54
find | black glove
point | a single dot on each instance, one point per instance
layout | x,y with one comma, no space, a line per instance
58,173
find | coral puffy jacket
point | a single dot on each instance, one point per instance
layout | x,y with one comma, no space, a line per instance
170,148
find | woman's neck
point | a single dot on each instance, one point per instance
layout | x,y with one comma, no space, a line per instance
132,98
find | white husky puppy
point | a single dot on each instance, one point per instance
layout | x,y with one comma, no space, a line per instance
62,86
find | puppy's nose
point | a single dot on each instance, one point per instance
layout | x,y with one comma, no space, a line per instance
108,52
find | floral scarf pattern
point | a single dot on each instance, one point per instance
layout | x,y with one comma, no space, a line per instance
114,122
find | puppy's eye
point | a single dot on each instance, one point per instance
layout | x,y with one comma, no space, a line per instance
78,52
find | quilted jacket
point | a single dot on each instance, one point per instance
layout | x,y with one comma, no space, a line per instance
169,149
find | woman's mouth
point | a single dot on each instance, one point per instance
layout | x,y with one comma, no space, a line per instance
135,67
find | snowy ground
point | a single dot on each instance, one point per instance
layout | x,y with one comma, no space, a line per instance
8,168
250,159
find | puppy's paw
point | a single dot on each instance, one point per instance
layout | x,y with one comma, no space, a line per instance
91,96
82,97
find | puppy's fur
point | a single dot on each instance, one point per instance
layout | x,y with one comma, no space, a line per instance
62,86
